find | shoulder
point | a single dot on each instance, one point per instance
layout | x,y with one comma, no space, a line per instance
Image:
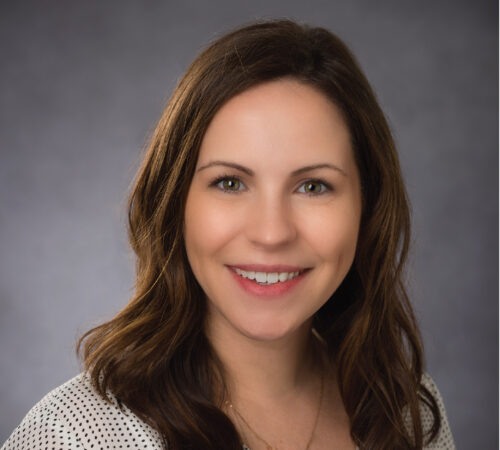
444,439
74,415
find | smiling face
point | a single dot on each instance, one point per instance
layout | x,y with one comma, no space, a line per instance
276,191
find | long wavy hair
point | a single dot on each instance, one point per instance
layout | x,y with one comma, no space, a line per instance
154,355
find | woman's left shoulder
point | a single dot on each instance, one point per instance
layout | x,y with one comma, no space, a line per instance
444,439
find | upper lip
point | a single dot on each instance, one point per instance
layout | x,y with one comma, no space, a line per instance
267,268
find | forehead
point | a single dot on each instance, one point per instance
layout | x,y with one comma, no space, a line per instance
283,118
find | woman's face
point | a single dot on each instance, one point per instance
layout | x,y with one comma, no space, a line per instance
276,191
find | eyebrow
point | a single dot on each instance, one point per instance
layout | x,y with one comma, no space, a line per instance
251,173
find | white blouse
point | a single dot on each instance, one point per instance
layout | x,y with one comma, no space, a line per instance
75,416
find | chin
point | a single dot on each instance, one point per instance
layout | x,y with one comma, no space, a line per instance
264,336
267,332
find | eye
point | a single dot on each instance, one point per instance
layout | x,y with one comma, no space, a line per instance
228,184
314,187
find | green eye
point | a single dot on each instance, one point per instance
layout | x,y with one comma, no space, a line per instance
313,187
230,184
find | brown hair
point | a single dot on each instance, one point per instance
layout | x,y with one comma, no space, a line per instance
154,355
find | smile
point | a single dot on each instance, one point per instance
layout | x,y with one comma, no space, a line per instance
267,278
268,281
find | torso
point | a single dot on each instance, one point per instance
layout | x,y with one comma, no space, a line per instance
291,429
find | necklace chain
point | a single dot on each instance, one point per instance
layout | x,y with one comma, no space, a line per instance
269,446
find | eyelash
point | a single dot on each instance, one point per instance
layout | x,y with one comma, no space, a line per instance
327,186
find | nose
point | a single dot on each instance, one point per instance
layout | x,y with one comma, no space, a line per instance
271,224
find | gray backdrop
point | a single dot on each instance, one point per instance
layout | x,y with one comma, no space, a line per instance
82,84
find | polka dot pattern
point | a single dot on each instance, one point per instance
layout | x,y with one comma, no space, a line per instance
74,416
444,440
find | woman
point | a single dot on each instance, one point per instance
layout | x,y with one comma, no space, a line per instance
271,227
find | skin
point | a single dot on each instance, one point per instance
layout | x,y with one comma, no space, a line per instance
274,217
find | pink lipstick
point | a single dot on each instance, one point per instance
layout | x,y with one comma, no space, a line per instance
254,278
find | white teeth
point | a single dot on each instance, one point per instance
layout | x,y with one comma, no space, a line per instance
266,278
272,277
260,277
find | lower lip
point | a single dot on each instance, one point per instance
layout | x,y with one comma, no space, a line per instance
272,290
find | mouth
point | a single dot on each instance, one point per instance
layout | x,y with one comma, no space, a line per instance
267,278
268,281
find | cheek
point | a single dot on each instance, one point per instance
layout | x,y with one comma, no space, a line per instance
207,227
333,233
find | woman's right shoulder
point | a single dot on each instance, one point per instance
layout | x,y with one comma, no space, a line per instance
75,415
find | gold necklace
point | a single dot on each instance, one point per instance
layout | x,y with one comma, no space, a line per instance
269,446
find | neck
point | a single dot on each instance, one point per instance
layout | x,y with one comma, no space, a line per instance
274,370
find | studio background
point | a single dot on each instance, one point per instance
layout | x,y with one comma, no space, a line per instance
82,85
